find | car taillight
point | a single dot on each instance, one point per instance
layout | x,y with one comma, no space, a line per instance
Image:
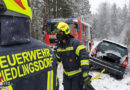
0,79
124,64
1,83
94,52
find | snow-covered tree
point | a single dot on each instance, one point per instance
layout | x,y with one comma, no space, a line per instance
37,22
103,23
114,20
81,9
44,9
123,17
94,27
126,31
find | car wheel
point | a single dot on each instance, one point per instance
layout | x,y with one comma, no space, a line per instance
119,76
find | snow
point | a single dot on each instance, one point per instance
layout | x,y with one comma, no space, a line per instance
108,51
115,41
114,52
105,82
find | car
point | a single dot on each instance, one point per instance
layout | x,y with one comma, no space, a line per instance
110,55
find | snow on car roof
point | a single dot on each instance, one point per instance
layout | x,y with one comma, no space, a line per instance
115,42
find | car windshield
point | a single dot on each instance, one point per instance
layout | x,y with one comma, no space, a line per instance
51,28
114,47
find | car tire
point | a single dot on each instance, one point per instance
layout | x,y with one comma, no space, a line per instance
118,77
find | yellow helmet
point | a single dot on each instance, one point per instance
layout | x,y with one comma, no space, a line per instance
62,26
20,8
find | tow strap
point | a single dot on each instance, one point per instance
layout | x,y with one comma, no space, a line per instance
98,75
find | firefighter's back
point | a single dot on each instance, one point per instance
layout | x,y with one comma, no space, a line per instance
29,66
25,63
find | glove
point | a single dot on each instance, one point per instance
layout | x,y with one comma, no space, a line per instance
86,78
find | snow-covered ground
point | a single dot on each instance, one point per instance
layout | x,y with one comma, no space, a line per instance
105,82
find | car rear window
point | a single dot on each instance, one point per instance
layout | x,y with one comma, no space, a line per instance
114,47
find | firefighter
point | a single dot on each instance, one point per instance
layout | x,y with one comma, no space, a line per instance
25,63
72,53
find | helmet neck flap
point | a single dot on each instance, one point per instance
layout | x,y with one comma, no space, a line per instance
14,30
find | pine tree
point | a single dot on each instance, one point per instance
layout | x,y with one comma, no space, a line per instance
114,20
103,25
81,9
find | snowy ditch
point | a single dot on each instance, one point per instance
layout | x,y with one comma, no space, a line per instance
105,82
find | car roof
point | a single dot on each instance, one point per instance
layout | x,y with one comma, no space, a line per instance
114,43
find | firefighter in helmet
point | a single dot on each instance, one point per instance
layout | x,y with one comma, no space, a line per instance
72,53
25,63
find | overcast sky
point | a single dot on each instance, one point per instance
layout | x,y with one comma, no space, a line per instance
95,3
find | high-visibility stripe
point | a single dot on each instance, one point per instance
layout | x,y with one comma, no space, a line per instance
50,80
2,88
66,49
7,88
56,79
10,87
58,62
72,72
80,47
57,56
84,62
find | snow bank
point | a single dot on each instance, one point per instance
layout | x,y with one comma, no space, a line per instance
106,82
